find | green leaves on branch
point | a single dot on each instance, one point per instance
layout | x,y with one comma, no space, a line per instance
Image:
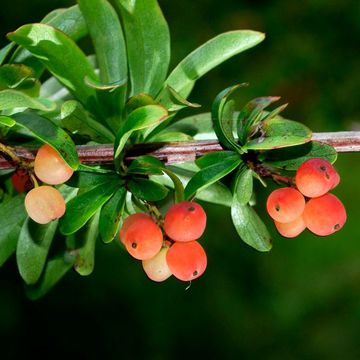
139,119
208,56
148,44
210,174
61,56
47,132
12,99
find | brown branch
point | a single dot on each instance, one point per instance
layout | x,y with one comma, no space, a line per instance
175,152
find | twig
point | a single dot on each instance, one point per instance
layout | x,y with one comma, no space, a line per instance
176,152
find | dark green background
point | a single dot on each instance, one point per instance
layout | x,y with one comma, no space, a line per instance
302,300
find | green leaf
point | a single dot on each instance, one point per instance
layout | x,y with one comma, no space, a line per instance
75,119
199,126
32,249
54,271
251,114
61,56
86,180
80,209
278,133
222,120
70,21
148,44
103,21
216,193
170,136
148,190
249,226
213,158
291,158
140,118
10,99
174,101
19,77
44,130
138,101
85,255
4,52
243,185
12,216
179,192
211,174
111,214
146,165
208,56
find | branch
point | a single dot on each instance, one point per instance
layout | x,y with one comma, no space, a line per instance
176,152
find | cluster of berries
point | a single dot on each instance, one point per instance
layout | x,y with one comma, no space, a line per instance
310,205
171,247
45,203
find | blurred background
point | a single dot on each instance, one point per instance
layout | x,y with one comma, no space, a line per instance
301,300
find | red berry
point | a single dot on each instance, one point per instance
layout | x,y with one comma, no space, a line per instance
141,236
315,177
285,205
50,167
157,268
186,260
21,181
324,215
185,221
291,229
44,204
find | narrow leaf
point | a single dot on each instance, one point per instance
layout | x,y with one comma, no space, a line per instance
4,52
54,271
32,249
291,158
250,227
148,190
210,175
213,158
208,56
146,165
45,130
111,214
80,209
243,186
140,118
278,133
10,99
12,216
61,56
85,255
148,44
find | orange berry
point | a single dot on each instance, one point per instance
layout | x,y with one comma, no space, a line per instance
50,167
291,229
157,268
141,236
21,181
285,205
186,260
324,215
315,177
185,221
44,204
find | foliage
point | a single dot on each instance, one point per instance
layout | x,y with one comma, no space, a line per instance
123,94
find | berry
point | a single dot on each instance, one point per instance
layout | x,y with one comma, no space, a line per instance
50,168
141,236
185,221
186,260
44,204
324,215
315,177
21,181
285,205
157,268
291,229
